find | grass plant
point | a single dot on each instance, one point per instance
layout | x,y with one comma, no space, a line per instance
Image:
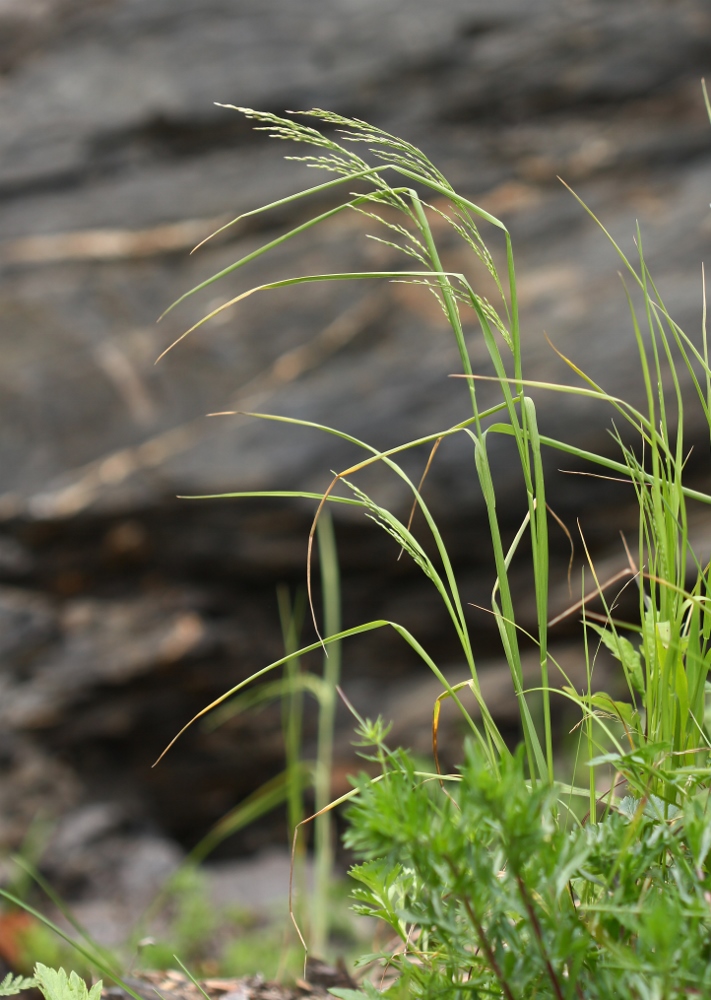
505,878
492,884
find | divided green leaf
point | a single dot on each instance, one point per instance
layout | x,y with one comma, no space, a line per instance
11,985
55,984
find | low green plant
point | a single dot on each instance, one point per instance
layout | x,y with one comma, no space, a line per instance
11,985
53,984
487,893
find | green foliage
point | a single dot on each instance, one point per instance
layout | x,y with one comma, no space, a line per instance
55,984
665,673
15,984
490,884
488,894
488,879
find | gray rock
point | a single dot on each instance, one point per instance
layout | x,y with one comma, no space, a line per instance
99,855
104,644
99,130
36,789
28,623
15,559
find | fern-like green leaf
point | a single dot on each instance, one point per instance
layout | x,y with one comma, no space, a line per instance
55,984
15,984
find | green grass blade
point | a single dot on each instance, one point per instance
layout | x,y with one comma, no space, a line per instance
286,283
323,831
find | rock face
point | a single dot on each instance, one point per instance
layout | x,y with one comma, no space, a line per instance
110,133
123,609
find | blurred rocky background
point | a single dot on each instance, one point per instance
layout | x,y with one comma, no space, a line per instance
123,610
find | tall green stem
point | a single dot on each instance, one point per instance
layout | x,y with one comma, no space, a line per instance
323,872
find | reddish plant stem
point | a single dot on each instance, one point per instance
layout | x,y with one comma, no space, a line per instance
539,937
483,942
